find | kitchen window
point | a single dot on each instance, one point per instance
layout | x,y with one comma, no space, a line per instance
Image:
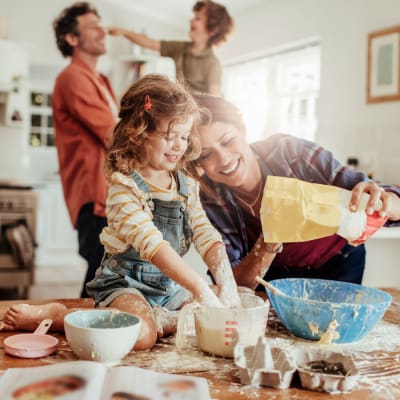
277,93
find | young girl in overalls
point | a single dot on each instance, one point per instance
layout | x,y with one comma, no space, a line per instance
154,214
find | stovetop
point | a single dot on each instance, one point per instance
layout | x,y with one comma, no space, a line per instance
14,187
16,197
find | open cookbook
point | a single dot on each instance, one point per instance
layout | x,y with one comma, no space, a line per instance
88,380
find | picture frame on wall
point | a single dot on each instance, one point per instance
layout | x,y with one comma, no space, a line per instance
383,67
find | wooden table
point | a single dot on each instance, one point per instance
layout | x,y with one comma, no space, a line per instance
380,370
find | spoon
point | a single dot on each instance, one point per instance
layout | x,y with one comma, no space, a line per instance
269,286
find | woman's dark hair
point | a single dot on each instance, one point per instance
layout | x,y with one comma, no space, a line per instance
217,109
67,22
219,22
214,109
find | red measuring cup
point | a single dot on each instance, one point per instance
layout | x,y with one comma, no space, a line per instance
32,345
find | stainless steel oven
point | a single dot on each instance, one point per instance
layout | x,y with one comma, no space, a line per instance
17,205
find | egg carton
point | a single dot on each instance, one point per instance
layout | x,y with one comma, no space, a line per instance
326,371
265,366
262,365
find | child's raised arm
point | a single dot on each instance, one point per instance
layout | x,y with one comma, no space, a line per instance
140,39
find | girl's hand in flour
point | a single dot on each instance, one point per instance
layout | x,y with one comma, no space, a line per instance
228,293
220,267
207,297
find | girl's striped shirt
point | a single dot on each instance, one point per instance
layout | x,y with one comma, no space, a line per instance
130,218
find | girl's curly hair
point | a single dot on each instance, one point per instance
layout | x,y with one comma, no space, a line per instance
148,102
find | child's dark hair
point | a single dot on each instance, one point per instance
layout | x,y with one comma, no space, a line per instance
219,22
67,22
146,104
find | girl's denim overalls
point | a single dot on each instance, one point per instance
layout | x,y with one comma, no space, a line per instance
125,271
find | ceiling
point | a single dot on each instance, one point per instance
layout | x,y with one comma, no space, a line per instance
174,12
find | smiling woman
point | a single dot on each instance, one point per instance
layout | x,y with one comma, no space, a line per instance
233,171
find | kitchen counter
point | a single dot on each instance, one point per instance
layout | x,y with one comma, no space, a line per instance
386,233
382,261
379,366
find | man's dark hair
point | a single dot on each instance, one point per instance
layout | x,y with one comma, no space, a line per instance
67,22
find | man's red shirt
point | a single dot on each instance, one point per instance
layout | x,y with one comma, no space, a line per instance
83,121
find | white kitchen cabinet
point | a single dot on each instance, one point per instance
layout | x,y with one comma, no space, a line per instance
55,232
14,62
59,270
13,84
382,266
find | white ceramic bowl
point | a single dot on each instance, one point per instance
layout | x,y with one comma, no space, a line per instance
101,335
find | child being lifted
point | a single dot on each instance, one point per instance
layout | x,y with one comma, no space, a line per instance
195,61
154,214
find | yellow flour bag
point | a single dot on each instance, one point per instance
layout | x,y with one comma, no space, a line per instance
296,211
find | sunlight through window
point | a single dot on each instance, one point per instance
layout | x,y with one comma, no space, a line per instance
277,93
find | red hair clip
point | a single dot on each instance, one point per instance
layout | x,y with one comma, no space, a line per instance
147,103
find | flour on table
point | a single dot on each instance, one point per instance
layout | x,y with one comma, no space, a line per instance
379,368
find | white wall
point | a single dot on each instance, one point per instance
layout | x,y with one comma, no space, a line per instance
347,125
